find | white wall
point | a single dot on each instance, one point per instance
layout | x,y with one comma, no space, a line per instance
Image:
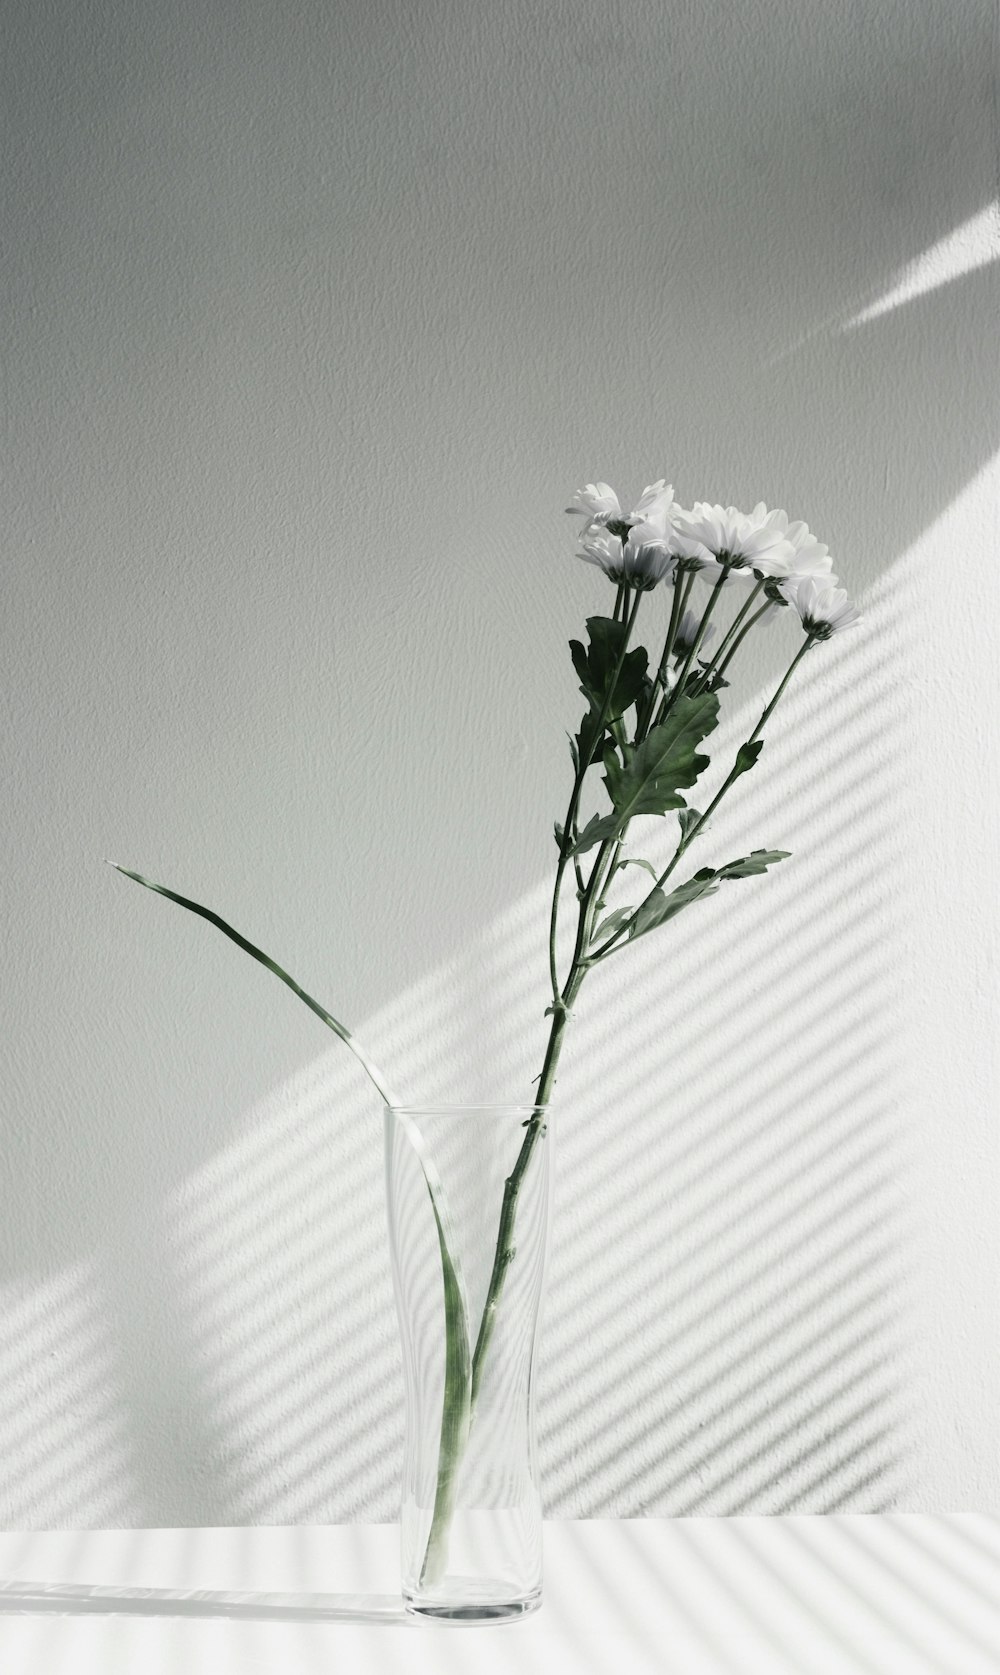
317,314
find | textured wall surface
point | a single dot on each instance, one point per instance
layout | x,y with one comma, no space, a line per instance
315,314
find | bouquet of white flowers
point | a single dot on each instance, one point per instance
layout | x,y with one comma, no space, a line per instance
643,728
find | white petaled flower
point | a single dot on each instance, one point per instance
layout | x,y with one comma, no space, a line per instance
739,542
647,555
655,506
600,506
809,556
687,633
691,554
823,610
640,562
597,501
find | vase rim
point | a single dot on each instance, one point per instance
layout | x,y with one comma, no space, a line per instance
445,1109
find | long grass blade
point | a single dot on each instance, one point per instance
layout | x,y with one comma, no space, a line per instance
256,953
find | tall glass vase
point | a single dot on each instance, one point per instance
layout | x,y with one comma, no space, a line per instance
468,1191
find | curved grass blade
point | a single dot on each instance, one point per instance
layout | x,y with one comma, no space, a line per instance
256,953
458,1364
456,1406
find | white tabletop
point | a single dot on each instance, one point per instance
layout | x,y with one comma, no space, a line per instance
885,1595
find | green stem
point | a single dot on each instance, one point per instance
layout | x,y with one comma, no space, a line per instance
457,1418
463,1380
720,582
733,637
734,648
574,801
535,1127
682,587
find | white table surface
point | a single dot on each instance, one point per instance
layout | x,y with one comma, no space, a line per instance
879,1595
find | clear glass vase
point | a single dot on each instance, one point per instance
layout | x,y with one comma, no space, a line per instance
468,1192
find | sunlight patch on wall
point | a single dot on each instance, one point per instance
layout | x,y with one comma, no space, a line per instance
67,1446
975,244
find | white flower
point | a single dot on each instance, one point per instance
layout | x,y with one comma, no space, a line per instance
810,558
824,610
687,633
640,562
739,541
601,507
694,554
655,506
597,501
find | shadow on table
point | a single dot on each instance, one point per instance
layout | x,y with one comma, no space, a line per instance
60,1599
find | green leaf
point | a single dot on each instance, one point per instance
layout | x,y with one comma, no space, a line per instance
665,761
687,817
597,830
746,756
587,744
612,923
659,907
637,861
596,666
756,862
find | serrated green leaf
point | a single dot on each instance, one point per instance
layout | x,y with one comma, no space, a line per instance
578,653
595,667
665,762
658,907
638,861
746,756
756,862
647,913
587,743
612,923
598,829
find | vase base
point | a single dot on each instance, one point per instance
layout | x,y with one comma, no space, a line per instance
472,1612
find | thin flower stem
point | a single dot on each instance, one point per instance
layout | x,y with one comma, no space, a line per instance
609,947
732,634
741,636
609,875
561,1011
574,801
720,582
503,1253
681,590
577,869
